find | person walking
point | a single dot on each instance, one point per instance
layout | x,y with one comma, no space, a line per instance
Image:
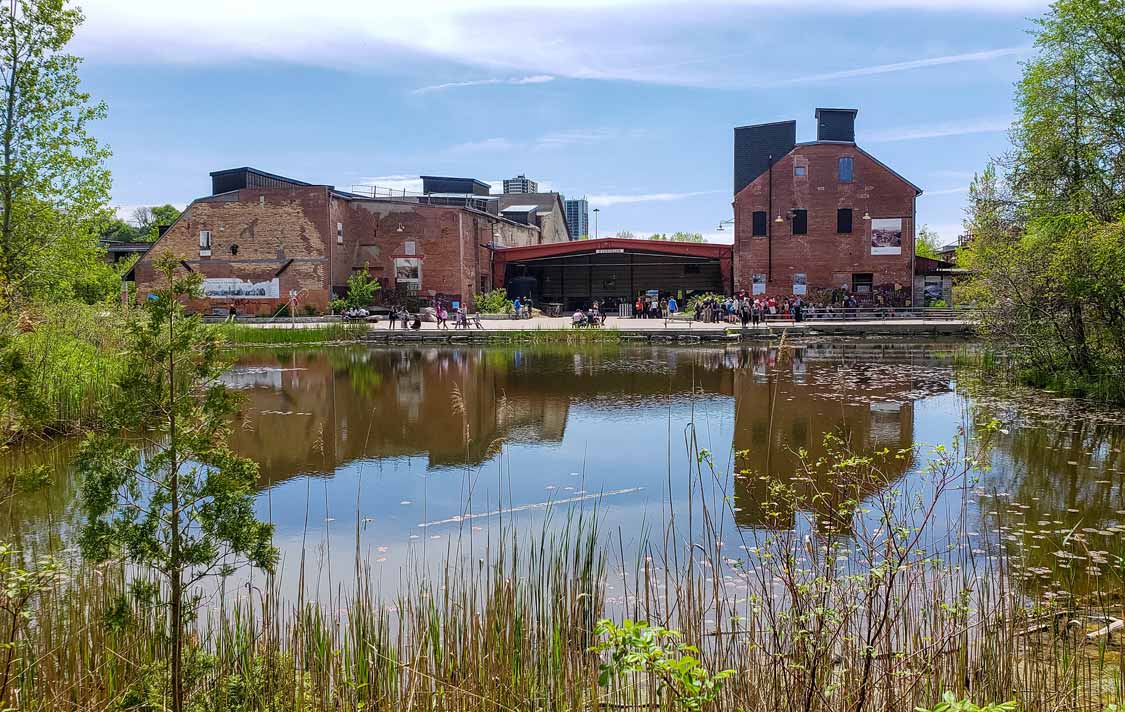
517,305
442,317
672,306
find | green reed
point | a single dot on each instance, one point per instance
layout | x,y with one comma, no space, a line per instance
861,593
298,334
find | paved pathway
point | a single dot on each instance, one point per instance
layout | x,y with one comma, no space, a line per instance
687,327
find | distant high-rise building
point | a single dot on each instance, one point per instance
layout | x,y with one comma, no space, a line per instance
578,217
520,184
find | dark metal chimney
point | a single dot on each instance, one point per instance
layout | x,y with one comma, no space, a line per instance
836,125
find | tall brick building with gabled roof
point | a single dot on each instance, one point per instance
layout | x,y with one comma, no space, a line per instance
822,219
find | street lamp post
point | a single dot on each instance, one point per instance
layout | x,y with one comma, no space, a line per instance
596,210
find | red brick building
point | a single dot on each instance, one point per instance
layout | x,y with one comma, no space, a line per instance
821,219
260,238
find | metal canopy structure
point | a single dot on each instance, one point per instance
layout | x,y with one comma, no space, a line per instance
611,270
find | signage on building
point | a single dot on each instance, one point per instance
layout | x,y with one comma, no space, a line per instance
233,288
886,236
618,251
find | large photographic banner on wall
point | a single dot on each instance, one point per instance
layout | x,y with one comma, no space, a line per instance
408,272
233,288
886,236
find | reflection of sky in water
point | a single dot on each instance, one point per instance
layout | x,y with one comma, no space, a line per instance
547,425
385,440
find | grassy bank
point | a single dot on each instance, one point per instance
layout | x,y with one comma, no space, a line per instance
1012,366
60,366
849,607
245,335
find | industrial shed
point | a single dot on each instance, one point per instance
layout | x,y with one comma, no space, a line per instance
611,270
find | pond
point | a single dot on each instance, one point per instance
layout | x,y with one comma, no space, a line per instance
398,456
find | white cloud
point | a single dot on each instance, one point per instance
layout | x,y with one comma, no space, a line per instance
485,146
893,67
947,191
950,128
607,200
392,183
557,38
518,81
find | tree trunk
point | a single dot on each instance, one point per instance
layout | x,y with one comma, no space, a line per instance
176,573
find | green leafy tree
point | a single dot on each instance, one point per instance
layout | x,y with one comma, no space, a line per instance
149,219
361,289
1068,137
678,237
1045,237
178,502
926,242
53,179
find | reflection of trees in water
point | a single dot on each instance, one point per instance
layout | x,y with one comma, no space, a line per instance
31,517
1056,484
309,412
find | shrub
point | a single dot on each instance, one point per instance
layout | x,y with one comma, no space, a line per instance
494,302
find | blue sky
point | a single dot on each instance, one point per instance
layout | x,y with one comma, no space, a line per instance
630,103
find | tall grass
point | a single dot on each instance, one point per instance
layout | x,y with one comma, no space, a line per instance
868,606
60,369
855,593
244,335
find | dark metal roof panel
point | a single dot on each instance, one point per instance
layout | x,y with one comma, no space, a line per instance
754,146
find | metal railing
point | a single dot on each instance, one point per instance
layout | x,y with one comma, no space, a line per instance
869,313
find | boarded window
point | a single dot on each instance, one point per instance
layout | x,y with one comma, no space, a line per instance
800,222
759,223
339,233
845,169
844,220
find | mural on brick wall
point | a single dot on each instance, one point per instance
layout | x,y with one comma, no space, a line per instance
233,288
886,236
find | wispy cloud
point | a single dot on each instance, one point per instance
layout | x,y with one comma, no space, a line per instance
487,145
553,140
946,191
983,56
515,81
557,38
605,200
949,128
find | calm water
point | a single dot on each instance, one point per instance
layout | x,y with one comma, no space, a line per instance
417,454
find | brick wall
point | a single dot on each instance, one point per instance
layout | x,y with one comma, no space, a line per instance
278,233
291,234
826,257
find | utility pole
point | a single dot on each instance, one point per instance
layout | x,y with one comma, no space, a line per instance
596,223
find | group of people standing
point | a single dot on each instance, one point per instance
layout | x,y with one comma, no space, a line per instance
653,307
742,308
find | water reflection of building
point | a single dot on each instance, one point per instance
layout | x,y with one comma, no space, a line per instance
352,404
789,401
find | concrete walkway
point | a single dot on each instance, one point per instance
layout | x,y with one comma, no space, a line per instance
678,327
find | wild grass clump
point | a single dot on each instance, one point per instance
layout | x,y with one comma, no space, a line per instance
244,335
58,368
